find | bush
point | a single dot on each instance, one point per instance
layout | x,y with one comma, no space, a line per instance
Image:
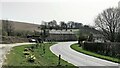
109,49
118,37
81,38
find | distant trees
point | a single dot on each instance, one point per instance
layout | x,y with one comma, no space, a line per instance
63,25
53,25
70,24
78,25
109,22
45,27
49,25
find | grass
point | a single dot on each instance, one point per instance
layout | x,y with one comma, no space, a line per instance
79,49
17,58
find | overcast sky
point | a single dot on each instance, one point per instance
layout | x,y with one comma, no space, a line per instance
83,11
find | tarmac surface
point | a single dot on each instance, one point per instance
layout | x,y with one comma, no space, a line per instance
77,58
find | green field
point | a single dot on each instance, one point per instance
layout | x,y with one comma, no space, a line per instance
79,49
17,58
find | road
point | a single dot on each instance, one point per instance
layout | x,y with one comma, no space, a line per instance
4,48
76,58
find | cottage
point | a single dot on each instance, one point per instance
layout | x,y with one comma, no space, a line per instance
98,38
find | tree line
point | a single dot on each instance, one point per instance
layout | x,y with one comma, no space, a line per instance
53,25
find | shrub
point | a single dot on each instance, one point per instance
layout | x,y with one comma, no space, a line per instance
81,38
109,49
118,37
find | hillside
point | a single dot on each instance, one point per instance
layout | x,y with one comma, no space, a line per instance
21,29
22,26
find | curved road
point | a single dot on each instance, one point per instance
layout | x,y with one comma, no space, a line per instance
76,58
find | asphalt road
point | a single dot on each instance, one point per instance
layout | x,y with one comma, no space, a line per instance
76,58
5,48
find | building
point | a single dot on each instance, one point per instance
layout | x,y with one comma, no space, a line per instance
98,38
61,35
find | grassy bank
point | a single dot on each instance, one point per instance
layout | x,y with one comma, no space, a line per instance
17,58
79,49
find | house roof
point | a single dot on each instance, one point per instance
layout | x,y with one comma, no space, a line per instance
60,32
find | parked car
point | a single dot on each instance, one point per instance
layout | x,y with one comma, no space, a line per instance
32,40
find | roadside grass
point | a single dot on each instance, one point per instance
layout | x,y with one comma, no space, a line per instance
17,58
79,49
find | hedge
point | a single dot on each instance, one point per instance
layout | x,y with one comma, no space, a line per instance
13,39
108,49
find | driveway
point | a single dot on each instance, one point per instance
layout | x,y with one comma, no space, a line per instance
4,48
76,58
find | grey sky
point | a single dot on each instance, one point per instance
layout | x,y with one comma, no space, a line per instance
83,11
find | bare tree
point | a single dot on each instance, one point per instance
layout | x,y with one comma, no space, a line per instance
7,26
44,30
109,22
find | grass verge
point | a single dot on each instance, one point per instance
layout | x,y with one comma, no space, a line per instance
79,49
47,59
